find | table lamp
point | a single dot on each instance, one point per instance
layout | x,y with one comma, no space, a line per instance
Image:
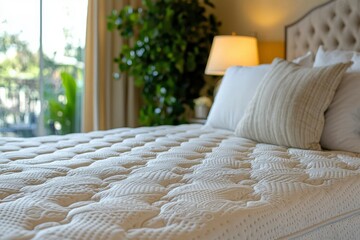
231,50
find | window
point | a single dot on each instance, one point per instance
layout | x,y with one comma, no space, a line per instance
40,40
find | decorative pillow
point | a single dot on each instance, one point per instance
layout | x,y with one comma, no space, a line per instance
325,58
306,60
289,104
236,90
342,119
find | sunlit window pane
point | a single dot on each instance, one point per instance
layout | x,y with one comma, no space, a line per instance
19,71
63,47
63,41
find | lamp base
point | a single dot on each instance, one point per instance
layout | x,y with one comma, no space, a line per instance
217,86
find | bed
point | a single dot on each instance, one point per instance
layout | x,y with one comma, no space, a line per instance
189,181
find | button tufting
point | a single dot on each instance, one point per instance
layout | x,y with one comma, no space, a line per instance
312,30
326,28
357,21
332,15
348,10
341,25
352,40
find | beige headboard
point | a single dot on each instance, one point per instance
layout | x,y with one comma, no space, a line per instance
335,25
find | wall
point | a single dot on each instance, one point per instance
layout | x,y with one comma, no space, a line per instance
265,19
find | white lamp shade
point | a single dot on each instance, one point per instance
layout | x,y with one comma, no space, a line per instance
227,51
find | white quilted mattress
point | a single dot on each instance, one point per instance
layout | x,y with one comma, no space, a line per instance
183,182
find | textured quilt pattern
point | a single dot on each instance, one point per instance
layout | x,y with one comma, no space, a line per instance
182,182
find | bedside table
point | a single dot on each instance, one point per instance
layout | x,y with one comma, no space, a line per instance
198,120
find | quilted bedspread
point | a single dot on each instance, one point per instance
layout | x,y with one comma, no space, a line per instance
180,182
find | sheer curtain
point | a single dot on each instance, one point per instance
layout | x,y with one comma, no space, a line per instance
109,101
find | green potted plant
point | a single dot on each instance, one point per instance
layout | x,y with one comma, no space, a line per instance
168,58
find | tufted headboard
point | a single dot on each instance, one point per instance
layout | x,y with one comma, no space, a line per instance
335,25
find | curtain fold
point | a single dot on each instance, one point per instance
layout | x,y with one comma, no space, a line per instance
108,102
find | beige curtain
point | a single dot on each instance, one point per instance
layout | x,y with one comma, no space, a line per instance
108,102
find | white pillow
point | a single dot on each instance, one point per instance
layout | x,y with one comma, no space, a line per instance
236,90
342,119
356,63
325,58
306,60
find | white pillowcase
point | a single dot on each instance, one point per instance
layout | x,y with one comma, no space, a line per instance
237,88
325,58
342,119
306,60
356,63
